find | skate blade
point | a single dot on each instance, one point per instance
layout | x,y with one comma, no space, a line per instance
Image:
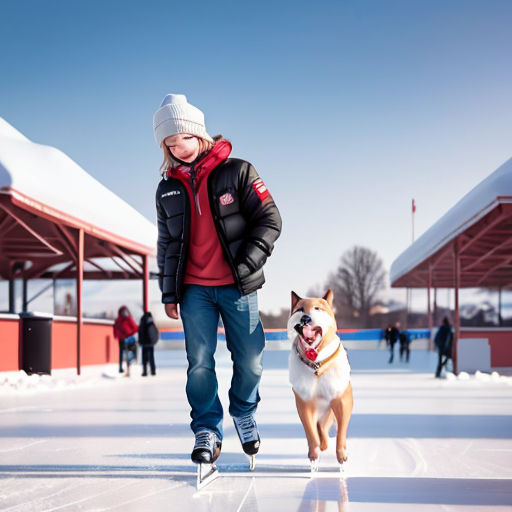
252,462
329,472
206,474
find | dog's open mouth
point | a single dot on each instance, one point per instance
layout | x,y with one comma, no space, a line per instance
310,334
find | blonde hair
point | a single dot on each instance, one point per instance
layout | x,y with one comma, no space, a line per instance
170,161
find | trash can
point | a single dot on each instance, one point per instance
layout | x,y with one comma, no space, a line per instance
36,343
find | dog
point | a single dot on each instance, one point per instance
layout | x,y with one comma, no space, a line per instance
319,373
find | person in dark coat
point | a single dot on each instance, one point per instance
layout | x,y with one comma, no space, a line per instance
148,337
405,340
443,342
124,329
392,335
386,334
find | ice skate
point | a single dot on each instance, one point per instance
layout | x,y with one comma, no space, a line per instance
247,431
206,450
314,465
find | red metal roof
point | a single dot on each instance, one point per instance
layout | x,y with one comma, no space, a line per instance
480,224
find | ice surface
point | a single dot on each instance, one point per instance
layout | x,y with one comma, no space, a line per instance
112,443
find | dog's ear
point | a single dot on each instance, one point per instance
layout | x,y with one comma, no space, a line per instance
329,296
295,299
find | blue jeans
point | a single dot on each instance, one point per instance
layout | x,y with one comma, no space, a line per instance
200,310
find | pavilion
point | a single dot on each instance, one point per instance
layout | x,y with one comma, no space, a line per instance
470,246
57,221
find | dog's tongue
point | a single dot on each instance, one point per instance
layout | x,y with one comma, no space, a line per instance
309,333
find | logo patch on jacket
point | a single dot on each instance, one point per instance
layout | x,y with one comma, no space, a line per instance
226,199
260,189
171,193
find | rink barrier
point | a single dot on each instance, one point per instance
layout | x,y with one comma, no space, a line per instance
98,343
281,334
100,347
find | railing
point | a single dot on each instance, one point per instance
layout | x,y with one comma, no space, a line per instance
281,334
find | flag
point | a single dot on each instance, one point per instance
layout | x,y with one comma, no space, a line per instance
413,206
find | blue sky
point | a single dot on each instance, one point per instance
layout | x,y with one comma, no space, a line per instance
347,109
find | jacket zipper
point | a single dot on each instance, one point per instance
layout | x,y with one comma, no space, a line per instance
220,234
193,186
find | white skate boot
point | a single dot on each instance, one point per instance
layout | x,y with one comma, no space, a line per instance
206,450
247,431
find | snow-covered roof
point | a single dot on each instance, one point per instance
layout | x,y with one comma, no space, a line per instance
45,178
482,199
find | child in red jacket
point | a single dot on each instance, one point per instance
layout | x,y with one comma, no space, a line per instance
124,329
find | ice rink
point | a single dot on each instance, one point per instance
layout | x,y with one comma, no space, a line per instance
415,444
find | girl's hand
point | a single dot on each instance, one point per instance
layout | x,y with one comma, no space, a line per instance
171,310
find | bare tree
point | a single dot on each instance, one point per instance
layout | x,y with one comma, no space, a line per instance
356,283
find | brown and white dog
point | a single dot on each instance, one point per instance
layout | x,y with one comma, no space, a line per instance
319,373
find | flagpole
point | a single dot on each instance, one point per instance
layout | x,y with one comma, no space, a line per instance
409,291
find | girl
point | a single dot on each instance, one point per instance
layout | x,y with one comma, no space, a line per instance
217,224
124,329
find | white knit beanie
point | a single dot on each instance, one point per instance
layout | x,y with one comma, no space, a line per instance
176,115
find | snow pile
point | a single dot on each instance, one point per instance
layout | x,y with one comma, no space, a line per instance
15,383
479,378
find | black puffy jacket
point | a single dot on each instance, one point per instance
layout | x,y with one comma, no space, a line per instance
247,227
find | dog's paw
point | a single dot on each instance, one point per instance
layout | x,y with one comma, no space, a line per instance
342,453
314,453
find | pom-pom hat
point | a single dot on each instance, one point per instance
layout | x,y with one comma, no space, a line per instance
177,115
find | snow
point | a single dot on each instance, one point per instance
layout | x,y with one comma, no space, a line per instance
497,187
68,188
113,443
19,383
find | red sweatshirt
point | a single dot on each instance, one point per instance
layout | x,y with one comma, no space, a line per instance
206,264
124,327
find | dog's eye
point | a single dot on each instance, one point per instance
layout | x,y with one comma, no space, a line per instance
300,309
318,309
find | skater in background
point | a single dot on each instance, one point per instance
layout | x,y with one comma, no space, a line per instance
124,330
405,340
217,224
443,342
387,332
148,337
392,334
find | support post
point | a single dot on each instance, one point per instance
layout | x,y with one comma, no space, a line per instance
145,284
79,280
429,309
500,318
456,255
24,302
54,288
12,296
434,321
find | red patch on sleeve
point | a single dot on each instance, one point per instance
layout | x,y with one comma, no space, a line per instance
260,189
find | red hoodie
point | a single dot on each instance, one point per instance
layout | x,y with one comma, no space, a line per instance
206,264
124,327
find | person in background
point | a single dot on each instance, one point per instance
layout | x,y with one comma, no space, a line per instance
392,336
443,342
148,337
405,340
124,329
